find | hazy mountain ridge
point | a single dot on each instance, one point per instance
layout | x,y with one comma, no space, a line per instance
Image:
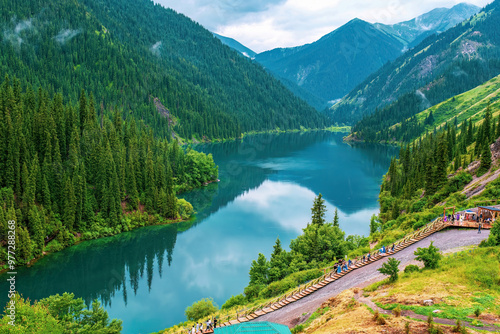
234,44
437,20
439,67
332,66
320,67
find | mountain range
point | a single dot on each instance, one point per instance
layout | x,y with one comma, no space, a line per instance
438,68
328,69
150,63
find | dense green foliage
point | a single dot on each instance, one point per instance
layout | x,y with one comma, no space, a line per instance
64,170
200,309
391,268
59,314
437,69
320,244
430,256
128,52
426,164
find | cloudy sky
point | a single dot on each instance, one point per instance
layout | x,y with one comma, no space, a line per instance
266,24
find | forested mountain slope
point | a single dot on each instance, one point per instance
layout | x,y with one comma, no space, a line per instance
332,66
440,67
64,172
128,52
382,125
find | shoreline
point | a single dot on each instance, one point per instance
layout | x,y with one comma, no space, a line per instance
78,235
275,131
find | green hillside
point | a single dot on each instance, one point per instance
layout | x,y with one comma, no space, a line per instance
470,105
126,53
68,175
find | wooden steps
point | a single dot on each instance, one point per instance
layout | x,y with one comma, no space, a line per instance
334,276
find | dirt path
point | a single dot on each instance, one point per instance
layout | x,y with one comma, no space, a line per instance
290,314
411,314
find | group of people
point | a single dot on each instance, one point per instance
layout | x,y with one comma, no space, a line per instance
199,328
343,265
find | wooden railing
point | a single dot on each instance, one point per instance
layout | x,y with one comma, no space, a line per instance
330,275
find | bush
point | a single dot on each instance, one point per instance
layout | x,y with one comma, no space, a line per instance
397,311
477,312
200,309
233,301
391,268
185,208
291,281
411,268
459,328
252,291
430,256
53,246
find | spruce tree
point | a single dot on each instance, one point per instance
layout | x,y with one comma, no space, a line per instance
485,160
318,211
336,218
69,204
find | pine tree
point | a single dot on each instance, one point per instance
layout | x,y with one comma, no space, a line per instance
318,211
171,199
69,204
485,160
82,110
336,218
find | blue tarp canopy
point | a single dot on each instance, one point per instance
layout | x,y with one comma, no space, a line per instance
490,208
262,327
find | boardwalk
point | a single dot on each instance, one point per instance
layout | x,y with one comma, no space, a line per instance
445,240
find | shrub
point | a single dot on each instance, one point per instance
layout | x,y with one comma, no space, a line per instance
252,291
53,246
185,208
397,311
200,309
407,327
411,268
233,301
391,268
477,312
291,281
459,328
430,256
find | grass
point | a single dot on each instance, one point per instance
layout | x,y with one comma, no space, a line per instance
465,284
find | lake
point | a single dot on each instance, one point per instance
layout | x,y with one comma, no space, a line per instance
148,277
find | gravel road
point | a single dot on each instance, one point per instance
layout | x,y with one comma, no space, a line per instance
445,240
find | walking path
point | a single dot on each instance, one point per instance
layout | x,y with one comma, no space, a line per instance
445,240
289,308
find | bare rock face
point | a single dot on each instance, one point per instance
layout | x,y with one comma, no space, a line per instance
428,302
495,151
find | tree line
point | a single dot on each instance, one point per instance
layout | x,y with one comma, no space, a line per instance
426,165
68,170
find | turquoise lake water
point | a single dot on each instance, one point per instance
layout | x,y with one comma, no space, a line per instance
148,277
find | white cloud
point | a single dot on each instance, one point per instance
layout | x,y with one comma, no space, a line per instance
263,25
156,48
15,35
66,35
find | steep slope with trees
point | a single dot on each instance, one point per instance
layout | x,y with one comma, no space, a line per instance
126,53
66,173
332,66
438,68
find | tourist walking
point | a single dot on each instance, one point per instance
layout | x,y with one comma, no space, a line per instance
215,323
479,228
